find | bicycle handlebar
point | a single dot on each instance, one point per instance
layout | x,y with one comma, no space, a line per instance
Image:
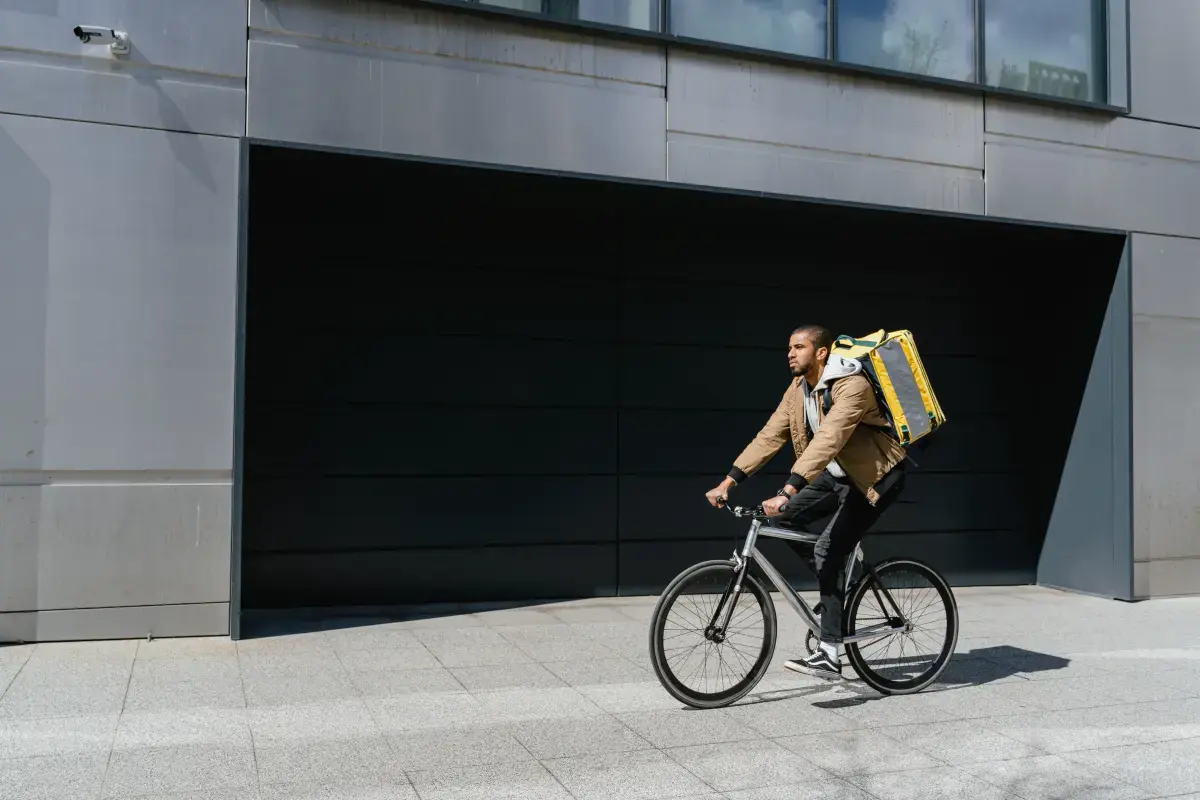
741,512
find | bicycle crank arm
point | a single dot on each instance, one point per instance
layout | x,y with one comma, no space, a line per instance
874,632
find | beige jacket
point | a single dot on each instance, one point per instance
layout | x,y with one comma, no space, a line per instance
854,432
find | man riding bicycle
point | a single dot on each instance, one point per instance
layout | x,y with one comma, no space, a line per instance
847,464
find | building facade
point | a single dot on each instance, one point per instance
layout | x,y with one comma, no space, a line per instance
126,228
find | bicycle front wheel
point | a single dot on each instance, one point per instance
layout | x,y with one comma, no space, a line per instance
906,661
697,668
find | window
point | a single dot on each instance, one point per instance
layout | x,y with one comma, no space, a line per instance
1058,48
640,14
788,26
924,37
1054,48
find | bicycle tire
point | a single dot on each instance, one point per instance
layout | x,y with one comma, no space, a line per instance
658,657
853,650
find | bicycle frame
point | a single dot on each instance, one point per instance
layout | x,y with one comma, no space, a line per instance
750,553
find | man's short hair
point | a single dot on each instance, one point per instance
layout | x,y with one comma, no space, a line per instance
818,335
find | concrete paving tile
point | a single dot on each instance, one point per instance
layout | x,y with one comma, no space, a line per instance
312,642
813,789
140,730
554,643
122,651
1161,768
639,775
858,752
296,689
516,616
309,722
1054,776
459,637
941,783
508,676
425,712
240,793
73,776
968,671
618,698
184,668
203,647
371,638
186,768
521,705
183,695
746,765
482,655
1088,692
1058,732
34,694
526,780
392,658
388,682
794,716
325,760
342,790
959,743
586,614
864,708
57,736
601,671
463,746
685,727
566,738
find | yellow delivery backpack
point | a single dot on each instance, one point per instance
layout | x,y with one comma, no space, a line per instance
891,362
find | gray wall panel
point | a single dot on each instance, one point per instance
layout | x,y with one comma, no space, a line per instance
20,524
1087,544
185,71
113,545
1166,429
143,98
807,172
1165,62
723,97
433,31
139,290
1166,360
454,109
1083,186
134,622
25,197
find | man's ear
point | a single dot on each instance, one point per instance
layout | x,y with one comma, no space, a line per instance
823,354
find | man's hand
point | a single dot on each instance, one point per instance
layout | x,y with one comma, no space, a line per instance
718,496
774,506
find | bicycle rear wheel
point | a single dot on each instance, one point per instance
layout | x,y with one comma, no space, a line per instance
906,661
696,668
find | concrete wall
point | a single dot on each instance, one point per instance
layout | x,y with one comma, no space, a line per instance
118,216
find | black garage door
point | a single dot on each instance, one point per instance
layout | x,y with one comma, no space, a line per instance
476,385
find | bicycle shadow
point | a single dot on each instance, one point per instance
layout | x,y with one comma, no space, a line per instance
975,668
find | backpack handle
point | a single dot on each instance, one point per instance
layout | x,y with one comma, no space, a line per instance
854,342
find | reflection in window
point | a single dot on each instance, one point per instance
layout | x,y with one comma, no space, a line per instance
788,26
1053,48
639,14
925,37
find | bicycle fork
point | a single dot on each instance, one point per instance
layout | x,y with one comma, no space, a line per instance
719,624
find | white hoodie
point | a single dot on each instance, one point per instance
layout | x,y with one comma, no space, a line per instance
836,367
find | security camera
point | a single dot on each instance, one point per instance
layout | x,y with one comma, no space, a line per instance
117,41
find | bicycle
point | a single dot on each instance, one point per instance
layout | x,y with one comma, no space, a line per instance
733,581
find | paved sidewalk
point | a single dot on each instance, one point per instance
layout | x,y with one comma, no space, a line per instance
1051,695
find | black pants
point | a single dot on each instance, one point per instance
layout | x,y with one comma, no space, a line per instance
853,517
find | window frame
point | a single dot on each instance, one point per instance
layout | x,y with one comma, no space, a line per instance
1114,49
